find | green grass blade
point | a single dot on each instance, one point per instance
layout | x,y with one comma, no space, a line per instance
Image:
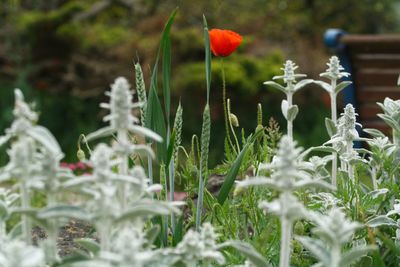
234,170
207,57
155,119
166,71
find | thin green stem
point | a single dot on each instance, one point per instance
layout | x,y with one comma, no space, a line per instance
231,126
226,118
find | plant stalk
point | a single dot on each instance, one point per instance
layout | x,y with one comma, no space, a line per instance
226,118
25,204
290,122
334,119
122,136
286,235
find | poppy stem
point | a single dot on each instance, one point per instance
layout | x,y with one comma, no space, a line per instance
225,106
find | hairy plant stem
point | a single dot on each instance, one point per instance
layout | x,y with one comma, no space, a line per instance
373,177
334,119
150,169
224,103
52,231
104,229
290,122
335,256
286,236
25,204
122,136
349,167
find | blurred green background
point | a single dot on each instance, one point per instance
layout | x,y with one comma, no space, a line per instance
64,54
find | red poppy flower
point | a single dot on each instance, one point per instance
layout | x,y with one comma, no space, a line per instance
224,42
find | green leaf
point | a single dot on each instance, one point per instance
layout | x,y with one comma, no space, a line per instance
233,171
88,244
248,251
355,254
165,48
155,119
207,57
152,234
330,127
341,86
178,233
381,220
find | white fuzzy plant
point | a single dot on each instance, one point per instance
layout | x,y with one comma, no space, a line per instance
290,172
121,223
334,74
334,231
289,78
343,140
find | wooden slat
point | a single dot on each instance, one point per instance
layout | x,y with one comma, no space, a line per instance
376,77
371,61
386,43
368,111
372,94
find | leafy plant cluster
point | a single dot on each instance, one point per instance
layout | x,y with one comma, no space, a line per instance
332,205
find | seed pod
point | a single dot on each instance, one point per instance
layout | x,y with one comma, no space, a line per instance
234,120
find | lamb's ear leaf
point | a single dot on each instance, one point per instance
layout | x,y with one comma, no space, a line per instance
102,132
381,220
285,108
374,132
248,251
342,86
316,247
302,83
330,127
88,244
46,138
324,85
292,112
355,254
276,86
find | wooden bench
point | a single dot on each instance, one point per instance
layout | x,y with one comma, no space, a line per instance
374,64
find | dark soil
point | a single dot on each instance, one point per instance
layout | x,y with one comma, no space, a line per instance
75,229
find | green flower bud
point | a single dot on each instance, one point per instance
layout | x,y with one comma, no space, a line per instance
233,120
81,155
